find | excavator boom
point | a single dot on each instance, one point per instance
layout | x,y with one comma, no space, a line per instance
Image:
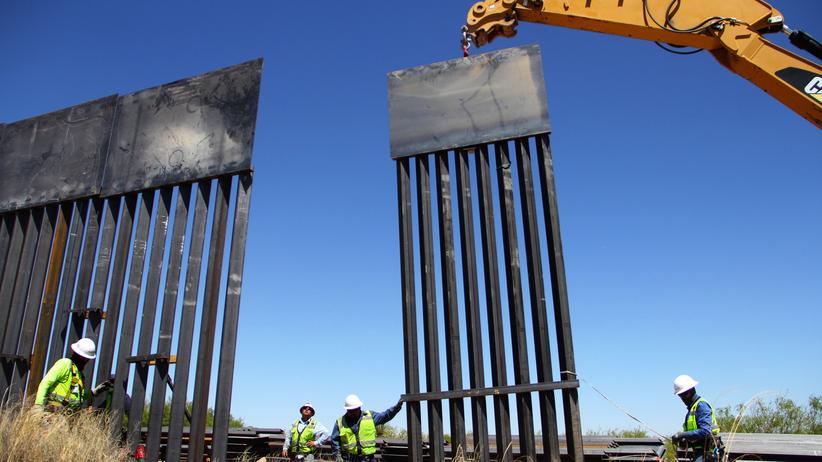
731,30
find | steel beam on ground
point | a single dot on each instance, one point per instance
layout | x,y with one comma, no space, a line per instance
59,330
170,291
208,320
448,276
429,310
570,401
149,312
476,372
513,279
135,284
502,415
409,306
105,347
187,317
44,323
231,317
536,291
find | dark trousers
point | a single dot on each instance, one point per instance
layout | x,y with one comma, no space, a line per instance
355,458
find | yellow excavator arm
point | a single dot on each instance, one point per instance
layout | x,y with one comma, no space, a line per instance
731,30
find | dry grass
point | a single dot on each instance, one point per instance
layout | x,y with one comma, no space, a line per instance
32,435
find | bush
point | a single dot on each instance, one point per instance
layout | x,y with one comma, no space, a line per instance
781,415
633,433
390,432
233,422
29,434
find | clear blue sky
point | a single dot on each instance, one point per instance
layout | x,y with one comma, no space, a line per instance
690,201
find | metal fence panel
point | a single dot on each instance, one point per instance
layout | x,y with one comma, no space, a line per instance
432,118
228,345
466,101
208,321
161,377
187,318
59,330
429,305
194,128
56,156
149,312
86,256
31,313
473,321
409,318
16,309
46,315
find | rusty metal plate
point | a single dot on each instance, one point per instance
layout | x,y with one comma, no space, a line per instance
467,101
186,130
56,156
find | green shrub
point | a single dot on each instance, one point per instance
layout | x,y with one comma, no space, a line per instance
781,415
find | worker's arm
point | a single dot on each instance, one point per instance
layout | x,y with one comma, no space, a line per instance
731,30
287,443
58,373
321,434
385,416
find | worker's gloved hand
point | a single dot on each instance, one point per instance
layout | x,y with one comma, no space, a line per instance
52,408
284,453
399,403
107,385
677,438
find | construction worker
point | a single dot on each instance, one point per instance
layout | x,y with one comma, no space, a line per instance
700,431
63,387
354,438
305,436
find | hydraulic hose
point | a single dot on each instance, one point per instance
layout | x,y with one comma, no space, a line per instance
805,42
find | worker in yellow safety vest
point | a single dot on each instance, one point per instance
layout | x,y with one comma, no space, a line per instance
700,431
63,387
354,438
305,436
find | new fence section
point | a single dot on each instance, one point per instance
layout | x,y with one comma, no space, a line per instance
124,220
481,261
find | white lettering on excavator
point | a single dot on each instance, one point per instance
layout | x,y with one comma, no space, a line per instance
814,86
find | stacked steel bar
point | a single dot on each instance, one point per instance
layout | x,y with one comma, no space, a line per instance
266,443
92,228
773,447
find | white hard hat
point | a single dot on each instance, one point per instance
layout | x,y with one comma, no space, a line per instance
352,402
308,405
85,348
684,383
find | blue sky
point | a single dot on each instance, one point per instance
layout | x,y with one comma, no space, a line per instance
689,199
